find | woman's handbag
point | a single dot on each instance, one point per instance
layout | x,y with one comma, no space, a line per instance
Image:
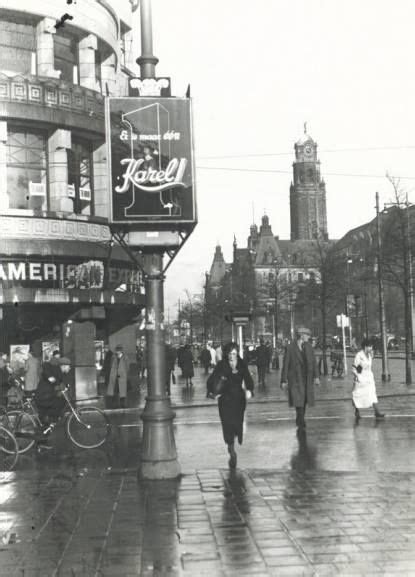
216,385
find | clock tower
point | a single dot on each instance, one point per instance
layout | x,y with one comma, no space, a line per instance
307,192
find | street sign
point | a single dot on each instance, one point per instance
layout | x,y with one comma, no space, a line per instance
342,320
150,154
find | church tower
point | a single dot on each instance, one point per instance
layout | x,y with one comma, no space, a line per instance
307,192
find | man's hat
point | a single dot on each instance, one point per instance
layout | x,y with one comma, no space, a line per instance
119,348
64,361
303,331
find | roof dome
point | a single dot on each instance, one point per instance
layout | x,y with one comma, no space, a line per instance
305,137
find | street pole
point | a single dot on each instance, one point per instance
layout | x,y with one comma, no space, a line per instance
345,321
348,313
382,317
147,61
205,332
158,453
276,303
411,285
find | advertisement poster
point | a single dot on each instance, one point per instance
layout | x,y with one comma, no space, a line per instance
48,347
99,354
151,160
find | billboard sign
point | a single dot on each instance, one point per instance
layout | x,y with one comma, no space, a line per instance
150,154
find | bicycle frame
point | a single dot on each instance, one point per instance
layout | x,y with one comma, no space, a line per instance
71,407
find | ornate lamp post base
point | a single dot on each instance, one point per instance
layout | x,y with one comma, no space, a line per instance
158,455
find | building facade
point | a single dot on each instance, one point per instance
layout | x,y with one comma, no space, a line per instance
264,281
307,193
272,279
62,279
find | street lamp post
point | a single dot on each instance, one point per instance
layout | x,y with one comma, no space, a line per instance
348,263
158,454
205,301
382,317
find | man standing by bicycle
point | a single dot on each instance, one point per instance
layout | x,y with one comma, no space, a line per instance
48,397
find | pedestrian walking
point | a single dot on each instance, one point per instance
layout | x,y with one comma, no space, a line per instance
139,360
262,362
187,365
269,357
32,372
212,354
170,364
205,359
5,379
106,364
299,375
232,383
180,352
364,387
218,353
117,383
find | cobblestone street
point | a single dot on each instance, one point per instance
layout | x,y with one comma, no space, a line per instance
338,501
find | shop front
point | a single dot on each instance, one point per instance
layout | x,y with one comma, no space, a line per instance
54,298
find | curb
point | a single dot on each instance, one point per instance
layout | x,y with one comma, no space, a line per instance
253,402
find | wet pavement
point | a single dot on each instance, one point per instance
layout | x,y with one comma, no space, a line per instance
338,501
330,388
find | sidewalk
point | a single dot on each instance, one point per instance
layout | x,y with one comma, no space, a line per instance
210,522
331,388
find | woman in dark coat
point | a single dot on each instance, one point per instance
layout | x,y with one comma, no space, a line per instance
187,365
231,381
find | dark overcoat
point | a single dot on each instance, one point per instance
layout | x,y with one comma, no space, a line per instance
117,382
299,369
187,363
232,401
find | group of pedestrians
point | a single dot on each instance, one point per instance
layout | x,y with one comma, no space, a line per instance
231,384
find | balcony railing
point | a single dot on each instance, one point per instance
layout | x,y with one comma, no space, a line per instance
51,93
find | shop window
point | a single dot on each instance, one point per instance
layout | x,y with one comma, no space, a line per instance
26,170
80,181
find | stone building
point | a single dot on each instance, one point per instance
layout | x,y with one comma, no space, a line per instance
62,281
266,278
307,192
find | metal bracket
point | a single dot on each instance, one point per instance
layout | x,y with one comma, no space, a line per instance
171,252
119,236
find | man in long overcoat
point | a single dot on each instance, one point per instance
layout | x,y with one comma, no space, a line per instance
262,361
299,374
117,383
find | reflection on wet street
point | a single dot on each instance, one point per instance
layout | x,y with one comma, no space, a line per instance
336,500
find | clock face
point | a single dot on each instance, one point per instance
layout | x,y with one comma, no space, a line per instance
308,150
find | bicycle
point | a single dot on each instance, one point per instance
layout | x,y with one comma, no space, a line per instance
9,450
86,427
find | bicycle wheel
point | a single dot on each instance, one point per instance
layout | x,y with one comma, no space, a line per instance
91,430
23,426
8,450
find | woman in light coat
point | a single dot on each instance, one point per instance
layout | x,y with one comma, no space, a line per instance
364,388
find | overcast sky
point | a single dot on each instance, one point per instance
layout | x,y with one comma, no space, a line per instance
258,71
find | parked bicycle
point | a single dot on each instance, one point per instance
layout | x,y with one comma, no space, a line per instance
86,427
